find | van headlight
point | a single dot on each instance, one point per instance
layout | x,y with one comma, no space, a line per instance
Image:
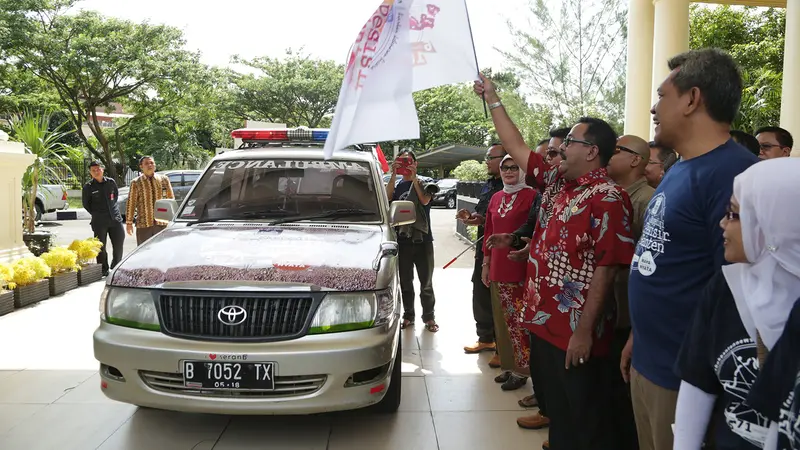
349,311
133,308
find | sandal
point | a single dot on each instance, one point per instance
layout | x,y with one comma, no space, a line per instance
431,326
406,323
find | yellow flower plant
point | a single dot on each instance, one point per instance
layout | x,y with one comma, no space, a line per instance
86,249
6,277
61,259
30,270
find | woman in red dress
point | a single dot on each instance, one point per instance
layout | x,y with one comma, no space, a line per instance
508,210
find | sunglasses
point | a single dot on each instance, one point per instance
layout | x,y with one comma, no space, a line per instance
509,168
569,141
620,148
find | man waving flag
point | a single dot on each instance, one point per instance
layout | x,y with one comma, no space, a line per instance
405,46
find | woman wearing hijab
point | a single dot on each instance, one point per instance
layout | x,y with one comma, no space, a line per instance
508,210
743,312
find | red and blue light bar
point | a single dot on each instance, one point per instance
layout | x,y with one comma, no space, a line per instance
299,134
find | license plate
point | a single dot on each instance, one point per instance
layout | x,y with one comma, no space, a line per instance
229,375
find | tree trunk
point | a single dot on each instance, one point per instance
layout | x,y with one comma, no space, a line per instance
94,125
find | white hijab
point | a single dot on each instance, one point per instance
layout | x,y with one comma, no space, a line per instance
766,289
514,188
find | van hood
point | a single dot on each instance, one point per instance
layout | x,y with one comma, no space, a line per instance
231,256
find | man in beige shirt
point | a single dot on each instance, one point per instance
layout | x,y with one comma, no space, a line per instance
144,191
627,169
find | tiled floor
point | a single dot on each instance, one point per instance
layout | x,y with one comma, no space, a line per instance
50,397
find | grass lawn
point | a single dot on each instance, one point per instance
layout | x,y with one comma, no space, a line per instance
74,202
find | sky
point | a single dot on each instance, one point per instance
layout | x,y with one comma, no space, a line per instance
323,28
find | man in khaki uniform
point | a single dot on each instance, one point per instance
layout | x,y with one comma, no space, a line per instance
144,191
627,168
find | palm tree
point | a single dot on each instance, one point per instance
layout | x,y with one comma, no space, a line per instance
32,129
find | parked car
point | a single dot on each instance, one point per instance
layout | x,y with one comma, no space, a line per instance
273,290
49,198
181,180
422,178
447,195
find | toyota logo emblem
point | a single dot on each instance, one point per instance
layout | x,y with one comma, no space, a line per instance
232,315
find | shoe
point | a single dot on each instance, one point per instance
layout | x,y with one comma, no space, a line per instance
534,422
494,363
528,402
503,377
479,347
514,382
546,445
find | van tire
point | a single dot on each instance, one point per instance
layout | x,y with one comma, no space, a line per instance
39,211
391,401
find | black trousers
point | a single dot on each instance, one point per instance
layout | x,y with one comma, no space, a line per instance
115,231
482,306
419,255
620,403
575,400
536,378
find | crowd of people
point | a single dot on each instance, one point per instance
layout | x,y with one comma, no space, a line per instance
646,288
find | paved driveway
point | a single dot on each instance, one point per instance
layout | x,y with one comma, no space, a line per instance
50,392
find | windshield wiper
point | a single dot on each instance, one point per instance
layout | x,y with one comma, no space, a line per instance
245,215
326,214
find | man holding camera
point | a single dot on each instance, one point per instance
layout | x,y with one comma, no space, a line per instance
415,241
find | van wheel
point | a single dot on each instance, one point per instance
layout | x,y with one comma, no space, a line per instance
451,203
39,211
391,401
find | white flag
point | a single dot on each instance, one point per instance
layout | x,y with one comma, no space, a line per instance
406,46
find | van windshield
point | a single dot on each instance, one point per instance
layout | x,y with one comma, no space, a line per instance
281,189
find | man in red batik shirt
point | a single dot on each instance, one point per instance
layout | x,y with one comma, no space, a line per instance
583,237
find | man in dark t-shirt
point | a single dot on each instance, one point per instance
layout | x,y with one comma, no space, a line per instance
681,244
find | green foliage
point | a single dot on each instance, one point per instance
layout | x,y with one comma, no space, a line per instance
91,61
32,129
755,38
296,90
471,171
574,61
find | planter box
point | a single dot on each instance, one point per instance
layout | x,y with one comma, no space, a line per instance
39,242
63,282
6,302
32,293
89,274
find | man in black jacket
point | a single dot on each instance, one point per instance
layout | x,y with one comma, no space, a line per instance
100,200
481,296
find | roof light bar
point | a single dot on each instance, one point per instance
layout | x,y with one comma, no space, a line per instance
299,134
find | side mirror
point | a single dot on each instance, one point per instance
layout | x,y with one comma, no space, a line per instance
402,212
165,209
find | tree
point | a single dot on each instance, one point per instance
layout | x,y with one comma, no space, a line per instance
574,63
448,115
91,61
755,39
296,90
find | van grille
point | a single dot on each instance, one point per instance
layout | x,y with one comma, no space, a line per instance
268,318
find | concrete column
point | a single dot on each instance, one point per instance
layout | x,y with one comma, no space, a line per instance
670,37
639,72
13,162
790,97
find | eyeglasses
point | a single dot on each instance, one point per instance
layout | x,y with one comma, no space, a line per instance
569,141
730,215
489,158
655,162
509,168
620,148
767,146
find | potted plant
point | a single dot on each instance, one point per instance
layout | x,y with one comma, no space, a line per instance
87,251
6,289
33,130
64,267
31,285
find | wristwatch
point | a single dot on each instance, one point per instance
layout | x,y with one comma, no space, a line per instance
496,105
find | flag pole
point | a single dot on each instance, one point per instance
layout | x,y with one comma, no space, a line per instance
475,53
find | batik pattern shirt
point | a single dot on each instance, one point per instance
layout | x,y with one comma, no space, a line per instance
144,191
583,224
